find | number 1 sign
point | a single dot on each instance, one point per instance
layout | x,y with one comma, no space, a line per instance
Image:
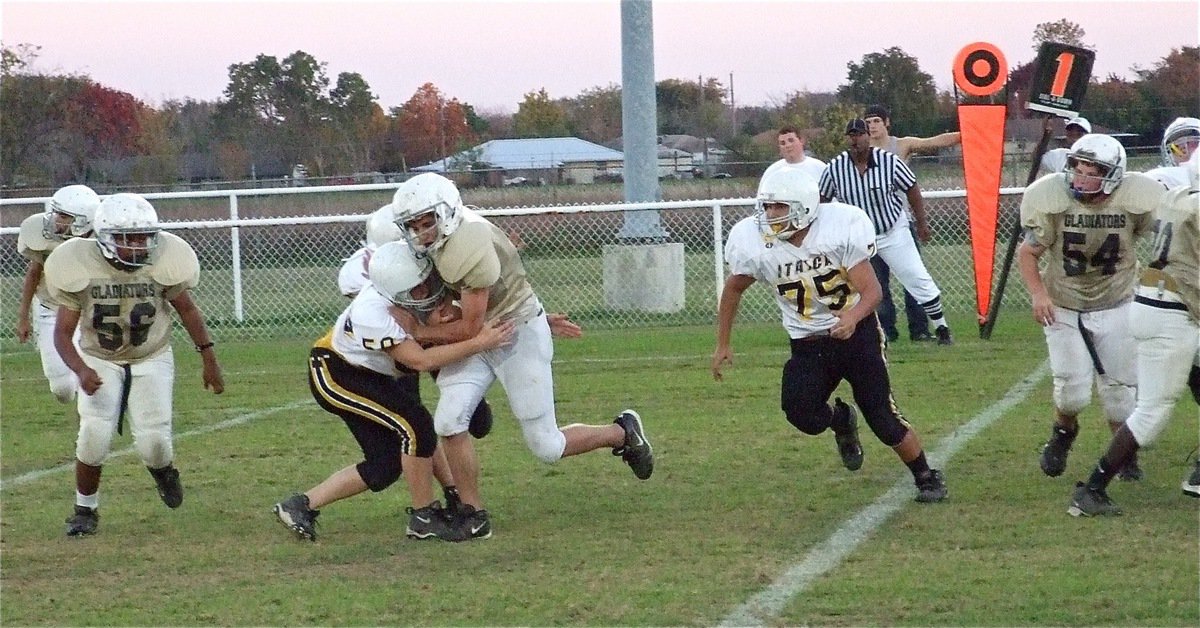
1060,78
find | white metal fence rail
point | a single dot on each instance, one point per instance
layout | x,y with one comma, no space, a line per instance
270,257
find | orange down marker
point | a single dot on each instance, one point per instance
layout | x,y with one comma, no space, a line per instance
980,70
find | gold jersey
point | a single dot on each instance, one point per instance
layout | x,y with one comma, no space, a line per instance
1177,247
33,244
1090,260
124,314
479,255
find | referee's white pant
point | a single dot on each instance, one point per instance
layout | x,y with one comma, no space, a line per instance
897,247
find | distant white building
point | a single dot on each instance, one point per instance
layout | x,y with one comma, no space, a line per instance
548,160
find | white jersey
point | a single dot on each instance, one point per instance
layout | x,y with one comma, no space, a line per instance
809,281
1170,176
811,166
352,277
1055,160
365,331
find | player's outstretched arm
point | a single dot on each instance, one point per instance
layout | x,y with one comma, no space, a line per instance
33,275
65,323
410,353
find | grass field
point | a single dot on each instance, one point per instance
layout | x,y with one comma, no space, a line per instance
738,497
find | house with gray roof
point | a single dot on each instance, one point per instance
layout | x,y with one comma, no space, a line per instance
545,159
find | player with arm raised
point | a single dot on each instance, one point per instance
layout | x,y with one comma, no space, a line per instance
119,289
816,259
1085,222
478,261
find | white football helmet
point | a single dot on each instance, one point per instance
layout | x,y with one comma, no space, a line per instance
1180,141
126,227
79,203
1102,151
423,194
396,272
793,187
381,229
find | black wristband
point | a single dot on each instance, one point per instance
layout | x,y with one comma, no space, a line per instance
207,345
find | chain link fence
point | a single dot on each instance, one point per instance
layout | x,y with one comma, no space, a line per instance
270,258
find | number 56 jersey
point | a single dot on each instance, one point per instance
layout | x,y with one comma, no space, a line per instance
810,281
1090,260
124,315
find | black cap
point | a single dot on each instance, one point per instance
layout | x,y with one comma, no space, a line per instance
857,125
877,111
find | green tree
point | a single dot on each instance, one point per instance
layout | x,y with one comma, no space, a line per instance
34,118
1118,104
595,114
687,107
895,80
1063,31
539,116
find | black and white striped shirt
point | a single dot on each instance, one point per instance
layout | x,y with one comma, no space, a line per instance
879,191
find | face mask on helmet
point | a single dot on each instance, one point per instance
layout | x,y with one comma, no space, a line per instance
126,227
427,210
791,189
407,280
69,213
1180,140
1095,165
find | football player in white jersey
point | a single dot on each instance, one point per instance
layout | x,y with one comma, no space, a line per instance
352,278
68,214
1164,320
353,373
1180,141
816,258
479,262
791,151
118,289
1085,222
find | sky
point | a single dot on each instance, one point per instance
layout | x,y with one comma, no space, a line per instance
489,54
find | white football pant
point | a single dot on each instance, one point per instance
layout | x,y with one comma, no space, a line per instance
524,371
1168,342
148,414
63,382
897,247
1073,367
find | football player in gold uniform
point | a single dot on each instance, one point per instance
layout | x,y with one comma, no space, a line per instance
117,288
479,262
1084,222
68,214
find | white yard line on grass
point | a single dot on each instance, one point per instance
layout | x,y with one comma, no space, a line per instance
765,606
31,476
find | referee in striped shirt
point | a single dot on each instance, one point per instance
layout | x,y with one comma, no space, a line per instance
878,182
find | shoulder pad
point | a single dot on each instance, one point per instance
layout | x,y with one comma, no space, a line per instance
175,262
1144,191
1050,193
31,237
66,267
463,250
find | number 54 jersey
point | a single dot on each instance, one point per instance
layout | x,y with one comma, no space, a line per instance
1090,260
810,281
124,315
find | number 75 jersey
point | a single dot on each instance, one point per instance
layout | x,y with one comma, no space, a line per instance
125,316
810,281
1090,260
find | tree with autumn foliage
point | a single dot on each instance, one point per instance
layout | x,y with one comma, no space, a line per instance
429,127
